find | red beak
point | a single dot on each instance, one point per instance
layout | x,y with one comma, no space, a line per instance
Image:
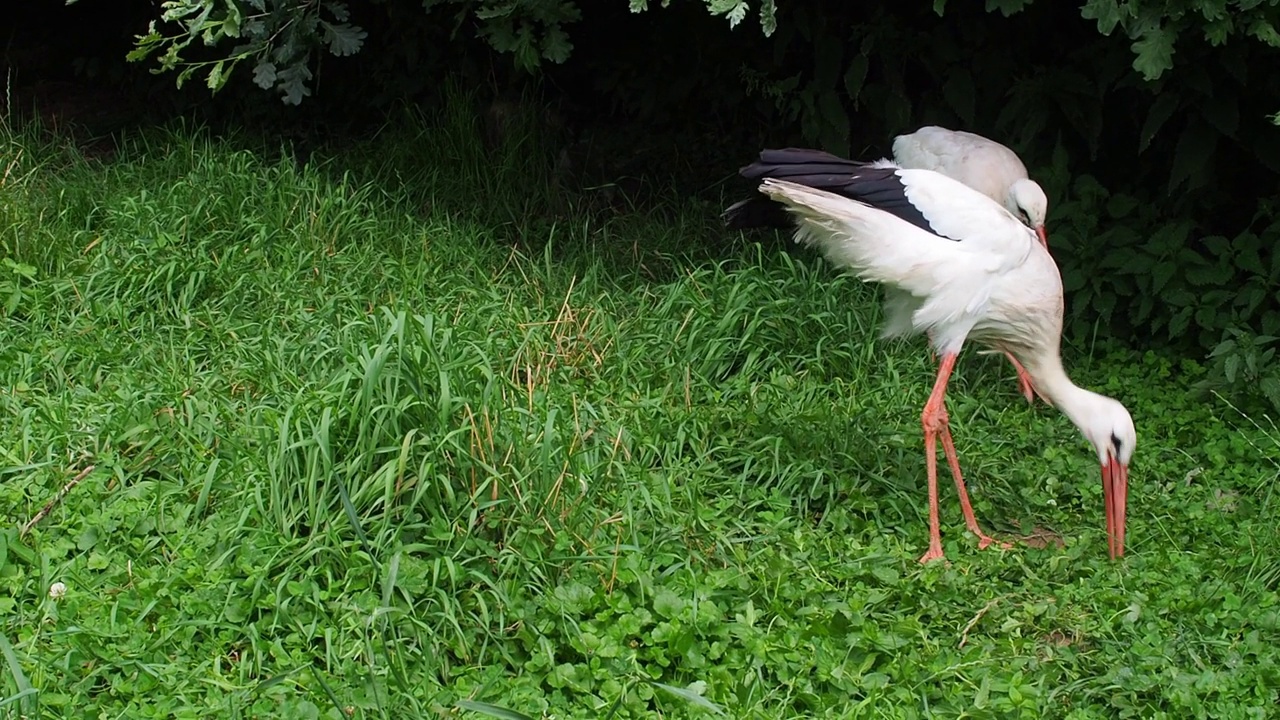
1044,236
1115,494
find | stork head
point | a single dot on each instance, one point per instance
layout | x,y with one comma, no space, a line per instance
1028,203
1108,426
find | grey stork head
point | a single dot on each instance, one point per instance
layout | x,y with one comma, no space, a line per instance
1027,201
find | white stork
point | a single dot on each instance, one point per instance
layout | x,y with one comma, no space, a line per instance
984,165
824,171
958,266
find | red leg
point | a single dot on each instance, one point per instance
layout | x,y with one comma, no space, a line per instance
953,461
1024,380
933,419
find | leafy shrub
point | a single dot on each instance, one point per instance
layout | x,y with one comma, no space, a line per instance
281,37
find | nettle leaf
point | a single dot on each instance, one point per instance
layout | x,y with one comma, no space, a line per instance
1072,279
1120,205
1191,157
1105,12
1154,52
1145,306
1231,368
1179,322
1209,274
1105,303
1087,188
1217,245
1225,346
1160,275
1182,298
1161,110
1118,259
1270,387
1168,239
855,75
1246,242
1245,252
1251,297
344,39
1141,264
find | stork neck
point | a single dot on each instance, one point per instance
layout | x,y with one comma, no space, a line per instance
1052,383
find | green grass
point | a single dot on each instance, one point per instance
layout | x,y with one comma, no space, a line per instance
414,426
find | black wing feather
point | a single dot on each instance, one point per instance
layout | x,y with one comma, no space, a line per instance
879,187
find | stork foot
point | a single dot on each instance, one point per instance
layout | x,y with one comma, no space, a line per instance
935,553
985,541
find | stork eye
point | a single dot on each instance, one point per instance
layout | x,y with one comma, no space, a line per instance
1116,443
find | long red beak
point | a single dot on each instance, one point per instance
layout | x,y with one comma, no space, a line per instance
1044,236
1115,494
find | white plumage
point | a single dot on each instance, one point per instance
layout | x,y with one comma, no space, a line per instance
984,165
932,209
963,268
945,288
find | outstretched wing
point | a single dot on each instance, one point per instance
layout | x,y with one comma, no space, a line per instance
928,200
951,280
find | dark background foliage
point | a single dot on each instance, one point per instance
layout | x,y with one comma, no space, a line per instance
1155,142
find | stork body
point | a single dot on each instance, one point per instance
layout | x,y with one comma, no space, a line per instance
984,165
958,267
824,171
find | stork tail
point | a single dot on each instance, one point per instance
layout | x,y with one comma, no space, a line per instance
811,168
